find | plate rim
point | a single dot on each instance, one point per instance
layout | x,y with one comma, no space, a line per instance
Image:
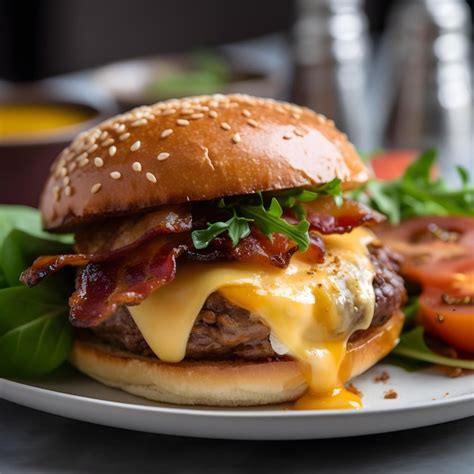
7,385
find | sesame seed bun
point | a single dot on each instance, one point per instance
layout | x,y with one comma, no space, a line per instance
194,149
223,383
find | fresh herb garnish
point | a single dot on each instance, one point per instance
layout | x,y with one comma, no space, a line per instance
35,334
265,210
412,345
417,193
237,228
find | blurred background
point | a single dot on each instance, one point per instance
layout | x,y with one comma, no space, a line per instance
394,75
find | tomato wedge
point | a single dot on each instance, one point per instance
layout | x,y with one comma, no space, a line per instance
393,163
449,315
437,250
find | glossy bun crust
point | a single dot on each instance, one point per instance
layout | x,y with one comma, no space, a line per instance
194,149
223,383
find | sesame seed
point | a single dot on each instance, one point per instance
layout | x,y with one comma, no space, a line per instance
163,156
124,136
72,166
99,162
121,128
182,122
66,180
82,156
68,191
187,111
83,162
246,113
166,133
108,142
236,138
136,146
137,166
252,122
56,192
168,112
103,135
213,103
225,126
93,148
95,188
115,175
287,136
151,177
139,122
112,150
281,110
197,116
213,114
298,132
296,116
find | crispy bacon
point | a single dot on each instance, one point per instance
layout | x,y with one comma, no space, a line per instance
49,264
128,277
110,240
256,248
128,280
124,233
125,260
327,218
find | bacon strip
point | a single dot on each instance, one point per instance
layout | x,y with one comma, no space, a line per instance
124,233
127,278
327,218
112,239
125,260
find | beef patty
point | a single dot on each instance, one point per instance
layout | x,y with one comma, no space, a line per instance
223,330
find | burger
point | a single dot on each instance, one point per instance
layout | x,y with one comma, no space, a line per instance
218,261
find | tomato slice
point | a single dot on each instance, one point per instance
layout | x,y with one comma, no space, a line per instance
393,163
437,250
449,315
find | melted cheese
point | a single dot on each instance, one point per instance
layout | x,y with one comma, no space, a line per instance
312,309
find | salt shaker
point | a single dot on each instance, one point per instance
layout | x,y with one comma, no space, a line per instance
429,81
330,72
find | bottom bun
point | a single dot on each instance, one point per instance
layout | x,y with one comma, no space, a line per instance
223,383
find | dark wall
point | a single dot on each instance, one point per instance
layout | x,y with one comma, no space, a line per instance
39,38
48,37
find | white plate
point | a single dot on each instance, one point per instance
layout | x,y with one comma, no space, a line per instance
424,398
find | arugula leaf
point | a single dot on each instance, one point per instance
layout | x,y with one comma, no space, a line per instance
270,221
411,309
237,228
290,197
413,345
410,365
416,193
419,171
463,175
265,210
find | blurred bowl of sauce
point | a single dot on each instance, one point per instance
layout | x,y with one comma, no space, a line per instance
36,122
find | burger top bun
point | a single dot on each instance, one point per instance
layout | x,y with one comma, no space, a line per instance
194,149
